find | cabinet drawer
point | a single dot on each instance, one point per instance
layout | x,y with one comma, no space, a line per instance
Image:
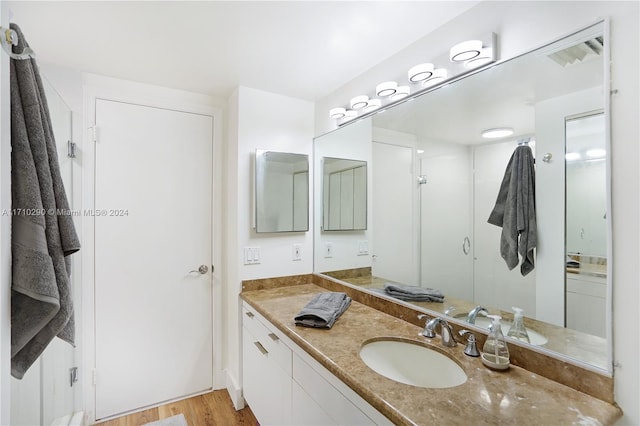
268,337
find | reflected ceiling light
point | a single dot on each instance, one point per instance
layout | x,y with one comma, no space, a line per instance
387,88
439,74
373,105
572,156
466,50
498,132
419,151
420,72
401,92
359,102
596,153
336,113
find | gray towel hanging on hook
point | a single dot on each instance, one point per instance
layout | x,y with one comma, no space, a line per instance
42,238
515,211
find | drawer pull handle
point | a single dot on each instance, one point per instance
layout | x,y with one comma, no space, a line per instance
273,337
261,348
250,314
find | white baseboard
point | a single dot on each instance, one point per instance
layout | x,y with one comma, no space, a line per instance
235,391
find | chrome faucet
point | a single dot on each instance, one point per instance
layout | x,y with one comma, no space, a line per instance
471,318
471,349
445,331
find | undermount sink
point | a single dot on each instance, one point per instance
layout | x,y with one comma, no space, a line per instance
410,363
535,338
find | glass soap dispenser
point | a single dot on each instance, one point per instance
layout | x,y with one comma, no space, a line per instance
517,329
495,353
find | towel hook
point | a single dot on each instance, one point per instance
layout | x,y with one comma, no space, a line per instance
10,38
547,157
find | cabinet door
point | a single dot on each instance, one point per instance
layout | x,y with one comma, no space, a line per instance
266,387
305,411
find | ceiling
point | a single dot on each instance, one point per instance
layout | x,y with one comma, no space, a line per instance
302,49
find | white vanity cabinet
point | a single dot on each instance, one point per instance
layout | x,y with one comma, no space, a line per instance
587,304
283,385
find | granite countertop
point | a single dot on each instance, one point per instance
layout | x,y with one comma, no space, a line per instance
572,343
515,396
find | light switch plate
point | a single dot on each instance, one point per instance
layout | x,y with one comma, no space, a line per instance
328,249
251,255
363,247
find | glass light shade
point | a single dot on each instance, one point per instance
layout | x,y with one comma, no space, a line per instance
498,132
336,113
350,114
373,105
439,74
466,50
402,92
420,72
387,88
359,102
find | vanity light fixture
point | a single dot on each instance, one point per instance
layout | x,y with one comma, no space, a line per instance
439,74
498,132
402,92
359,102
337,113
466,50
373,105
420,72
485,56
386,88
350,114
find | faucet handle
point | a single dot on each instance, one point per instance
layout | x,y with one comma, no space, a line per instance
471,349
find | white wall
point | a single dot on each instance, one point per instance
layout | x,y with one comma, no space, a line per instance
352,143
522,26
259,120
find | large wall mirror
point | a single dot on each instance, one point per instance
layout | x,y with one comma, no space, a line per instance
282,192
435,180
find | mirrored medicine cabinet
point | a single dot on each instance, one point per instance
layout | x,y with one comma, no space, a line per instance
281,192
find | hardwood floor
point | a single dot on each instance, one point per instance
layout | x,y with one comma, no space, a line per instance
210,409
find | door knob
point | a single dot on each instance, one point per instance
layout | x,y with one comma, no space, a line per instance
203,269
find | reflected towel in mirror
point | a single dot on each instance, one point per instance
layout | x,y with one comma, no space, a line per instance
515,211
323,310
413,293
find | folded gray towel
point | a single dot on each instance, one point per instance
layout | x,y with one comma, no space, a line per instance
323,310
413,293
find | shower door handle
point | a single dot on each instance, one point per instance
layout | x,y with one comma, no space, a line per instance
203,269
466,245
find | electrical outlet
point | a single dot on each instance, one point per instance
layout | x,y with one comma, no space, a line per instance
296,253
328,249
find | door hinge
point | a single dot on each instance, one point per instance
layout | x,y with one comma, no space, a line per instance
71,149
94,375
93,133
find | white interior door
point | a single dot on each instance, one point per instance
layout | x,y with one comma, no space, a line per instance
394,214
153,201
